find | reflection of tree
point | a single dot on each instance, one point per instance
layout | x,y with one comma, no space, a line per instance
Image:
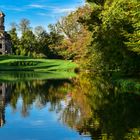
105,111
38,92
117,112
71,114
91,105
77,111
33,92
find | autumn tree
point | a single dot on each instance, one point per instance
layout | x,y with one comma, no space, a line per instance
76,35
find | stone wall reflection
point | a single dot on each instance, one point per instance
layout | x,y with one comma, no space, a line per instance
5,92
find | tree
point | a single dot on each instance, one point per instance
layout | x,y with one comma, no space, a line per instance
14,37
42,38
54,41
76,35
24,25
28,43
115,26
39,31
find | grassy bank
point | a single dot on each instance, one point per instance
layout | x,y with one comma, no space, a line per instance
20,63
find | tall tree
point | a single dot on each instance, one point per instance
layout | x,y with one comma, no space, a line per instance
28,43
42,38
76,35
14,37
24,25
115,29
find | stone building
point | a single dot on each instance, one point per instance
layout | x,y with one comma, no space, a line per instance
5,41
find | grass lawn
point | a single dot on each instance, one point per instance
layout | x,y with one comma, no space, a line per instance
21,63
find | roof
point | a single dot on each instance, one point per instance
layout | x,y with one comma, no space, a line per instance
1,13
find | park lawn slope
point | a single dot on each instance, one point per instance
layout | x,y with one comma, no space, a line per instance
21,63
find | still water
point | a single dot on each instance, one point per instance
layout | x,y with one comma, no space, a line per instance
84,107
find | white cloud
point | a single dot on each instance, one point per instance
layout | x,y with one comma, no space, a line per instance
38,123
36,6
63,10
54,9
42,14
45,14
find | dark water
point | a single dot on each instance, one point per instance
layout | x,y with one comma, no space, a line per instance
86,107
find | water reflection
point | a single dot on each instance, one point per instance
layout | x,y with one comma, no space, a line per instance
35,92
95,106
5,91
33,109
107,111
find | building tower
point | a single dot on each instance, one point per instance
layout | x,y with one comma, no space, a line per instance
5,41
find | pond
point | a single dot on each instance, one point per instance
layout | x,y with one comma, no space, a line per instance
56,106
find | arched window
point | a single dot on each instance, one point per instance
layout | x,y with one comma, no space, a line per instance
0,46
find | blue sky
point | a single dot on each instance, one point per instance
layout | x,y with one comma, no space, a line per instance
39,12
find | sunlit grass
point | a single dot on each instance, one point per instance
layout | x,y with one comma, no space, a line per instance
21,63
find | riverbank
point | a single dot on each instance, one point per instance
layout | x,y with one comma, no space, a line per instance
22,63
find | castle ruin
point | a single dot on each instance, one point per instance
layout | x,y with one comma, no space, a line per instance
5,41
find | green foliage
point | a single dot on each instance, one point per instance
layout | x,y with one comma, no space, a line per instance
14,37
76,37
115,38
128,85
28,43
35,42
104,36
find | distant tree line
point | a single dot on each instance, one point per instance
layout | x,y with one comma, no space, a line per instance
66,39
35,42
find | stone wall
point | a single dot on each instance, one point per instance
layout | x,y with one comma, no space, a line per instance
5,40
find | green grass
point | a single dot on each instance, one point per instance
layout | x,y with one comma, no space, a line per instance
21,63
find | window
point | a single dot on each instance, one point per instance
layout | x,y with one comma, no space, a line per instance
0,91
0,46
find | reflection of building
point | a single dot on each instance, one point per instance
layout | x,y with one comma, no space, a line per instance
5,42
2,105
4,98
